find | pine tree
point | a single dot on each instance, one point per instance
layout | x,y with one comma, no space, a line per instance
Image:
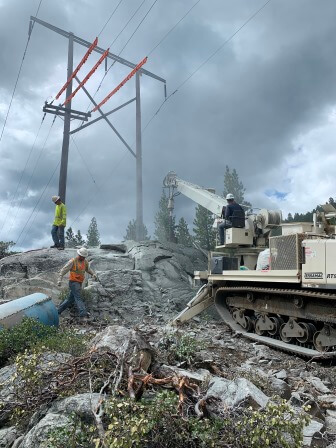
205,235
233,185
93,239
79,241
4,248
164,224
182,234
70,237
131,232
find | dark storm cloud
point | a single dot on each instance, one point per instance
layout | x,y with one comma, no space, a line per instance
244,108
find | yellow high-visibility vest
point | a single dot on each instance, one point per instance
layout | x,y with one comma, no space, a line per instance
60,215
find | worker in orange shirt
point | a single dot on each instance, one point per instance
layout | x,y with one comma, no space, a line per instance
77,267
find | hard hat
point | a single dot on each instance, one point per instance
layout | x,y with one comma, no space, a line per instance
83,252
55,198
229,196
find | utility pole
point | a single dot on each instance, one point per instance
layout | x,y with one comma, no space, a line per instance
139,196
69,113
66,131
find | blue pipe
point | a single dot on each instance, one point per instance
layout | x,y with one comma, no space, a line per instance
37,306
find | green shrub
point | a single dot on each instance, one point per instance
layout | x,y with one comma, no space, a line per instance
31,333
41,377
182,348
24,335
155,423
147,424
276,426
75,435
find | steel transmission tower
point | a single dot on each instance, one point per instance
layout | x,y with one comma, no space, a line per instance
69,114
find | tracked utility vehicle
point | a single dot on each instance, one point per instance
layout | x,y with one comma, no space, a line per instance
278,290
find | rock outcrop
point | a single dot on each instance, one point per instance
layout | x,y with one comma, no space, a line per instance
140,287
135,279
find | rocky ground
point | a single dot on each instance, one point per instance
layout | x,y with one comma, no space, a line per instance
140,288
135,279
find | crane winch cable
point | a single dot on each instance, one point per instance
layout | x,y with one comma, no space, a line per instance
206,61
19,73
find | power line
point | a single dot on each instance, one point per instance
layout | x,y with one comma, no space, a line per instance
172,29
136,29
18,76
21,177
116,166
84,162
42,194
31,225
126,24
73,140
206,61
127,42
153,49
115,39
29,181
106,23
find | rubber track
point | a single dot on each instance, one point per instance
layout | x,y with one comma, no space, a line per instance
275,343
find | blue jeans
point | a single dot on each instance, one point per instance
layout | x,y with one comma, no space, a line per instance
222,228
74,297
57,233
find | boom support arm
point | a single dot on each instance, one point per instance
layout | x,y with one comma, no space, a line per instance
201,196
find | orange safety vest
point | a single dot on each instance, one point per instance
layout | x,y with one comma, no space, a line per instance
77,272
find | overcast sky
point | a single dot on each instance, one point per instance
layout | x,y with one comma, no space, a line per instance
264,104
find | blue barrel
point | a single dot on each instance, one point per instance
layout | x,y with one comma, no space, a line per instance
37,306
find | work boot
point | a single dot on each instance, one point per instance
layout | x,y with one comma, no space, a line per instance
54,246
60,247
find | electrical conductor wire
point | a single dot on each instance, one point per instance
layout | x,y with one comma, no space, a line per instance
21,177
39,156
42,194
206,61
19,73
172,29
127,42
112,14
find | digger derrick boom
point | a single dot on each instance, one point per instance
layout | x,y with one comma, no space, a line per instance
288,304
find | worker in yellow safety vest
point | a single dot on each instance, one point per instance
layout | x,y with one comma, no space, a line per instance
77,267
57,230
